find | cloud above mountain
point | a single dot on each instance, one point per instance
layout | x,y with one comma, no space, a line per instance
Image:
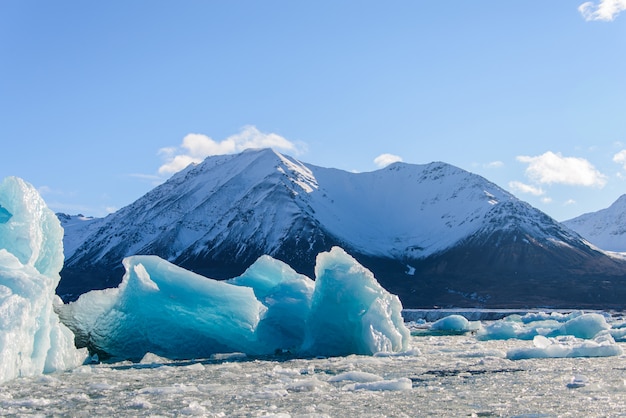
606,10
196,147
383,160
554,168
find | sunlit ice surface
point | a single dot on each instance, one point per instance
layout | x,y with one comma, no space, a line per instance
454,375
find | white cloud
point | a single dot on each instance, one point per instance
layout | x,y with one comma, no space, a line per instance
546,200
196,147
569,202
551,168
383,160
520,187
494,164
606,10
620,158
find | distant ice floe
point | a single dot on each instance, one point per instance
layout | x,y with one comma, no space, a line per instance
174,313
577,324
454,324
603,345
556,335
32,340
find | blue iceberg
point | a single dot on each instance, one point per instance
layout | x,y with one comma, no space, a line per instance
32,339
166,310
351,313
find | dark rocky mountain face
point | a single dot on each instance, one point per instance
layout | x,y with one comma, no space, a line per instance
433,234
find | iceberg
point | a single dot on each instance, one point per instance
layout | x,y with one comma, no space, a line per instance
32,339
166,310
174,313
351,313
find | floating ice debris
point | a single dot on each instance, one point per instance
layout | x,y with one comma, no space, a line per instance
603,345
577,324
402,383
454,324
356,377
584,326
578,381
32,340
169,311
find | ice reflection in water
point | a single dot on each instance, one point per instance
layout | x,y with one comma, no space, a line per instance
452,376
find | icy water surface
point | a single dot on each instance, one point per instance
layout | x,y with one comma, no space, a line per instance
441,376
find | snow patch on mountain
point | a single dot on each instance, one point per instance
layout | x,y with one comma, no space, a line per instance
77,228
404,209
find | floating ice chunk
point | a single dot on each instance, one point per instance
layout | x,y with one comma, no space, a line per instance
413,352
228,356
351,313
153,359
356,377
578,381
619,334
552,316
602,345
306,385
584,326
32,340
454,324
503,330
166,310
402,383
541,342
194,408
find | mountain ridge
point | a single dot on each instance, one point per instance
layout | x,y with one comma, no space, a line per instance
218,216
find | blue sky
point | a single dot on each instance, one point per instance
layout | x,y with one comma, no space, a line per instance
101,101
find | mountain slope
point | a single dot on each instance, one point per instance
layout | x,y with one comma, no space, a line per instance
433,233
605,228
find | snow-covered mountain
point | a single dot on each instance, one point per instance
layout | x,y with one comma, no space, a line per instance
605,228
77,228
433,234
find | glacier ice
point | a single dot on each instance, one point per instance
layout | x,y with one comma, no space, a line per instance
174,313
32,339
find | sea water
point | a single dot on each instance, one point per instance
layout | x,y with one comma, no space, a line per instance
440,375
